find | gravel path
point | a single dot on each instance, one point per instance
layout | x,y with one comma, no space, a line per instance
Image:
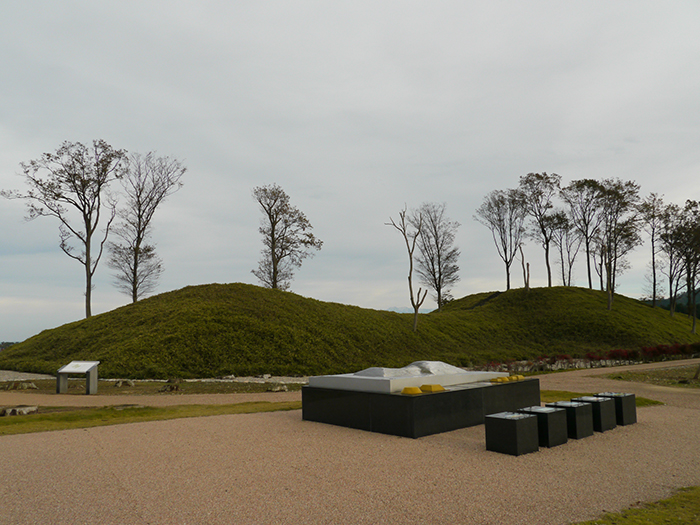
275,468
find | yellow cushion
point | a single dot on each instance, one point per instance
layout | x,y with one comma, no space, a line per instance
432,388
411,390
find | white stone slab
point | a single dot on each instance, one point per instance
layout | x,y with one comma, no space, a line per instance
78,367
388,380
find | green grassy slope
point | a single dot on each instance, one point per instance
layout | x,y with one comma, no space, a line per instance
213,330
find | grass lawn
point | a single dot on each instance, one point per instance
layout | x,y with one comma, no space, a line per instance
551,396
682,508
64,418
681,376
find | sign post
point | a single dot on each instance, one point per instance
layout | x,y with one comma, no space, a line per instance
89,368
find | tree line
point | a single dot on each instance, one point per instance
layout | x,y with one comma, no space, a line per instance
603,218
75,186
75,183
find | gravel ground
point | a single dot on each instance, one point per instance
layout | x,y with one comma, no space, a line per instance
275,468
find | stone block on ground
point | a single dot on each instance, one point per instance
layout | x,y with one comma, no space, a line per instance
21,410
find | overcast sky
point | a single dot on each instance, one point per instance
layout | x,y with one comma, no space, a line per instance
354,108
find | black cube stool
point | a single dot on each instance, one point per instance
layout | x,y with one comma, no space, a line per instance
625,407
511,433
579,418
603,412
551,425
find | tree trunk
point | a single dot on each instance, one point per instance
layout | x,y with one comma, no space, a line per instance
671,297
653,273
134,275
526,277
588,263
563,272
88,291
610,289
549,268
416,303
693,307
88,276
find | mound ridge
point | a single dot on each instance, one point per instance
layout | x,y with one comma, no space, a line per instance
241,329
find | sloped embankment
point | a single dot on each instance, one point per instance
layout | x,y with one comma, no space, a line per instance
222,329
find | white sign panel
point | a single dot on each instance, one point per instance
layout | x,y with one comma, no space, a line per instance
78,367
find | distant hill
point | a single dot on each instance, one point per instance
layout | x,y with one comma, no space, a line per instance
215,330
681,303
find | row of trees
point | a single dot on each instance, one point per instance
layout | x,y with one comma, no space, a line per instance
74,185
427,232
606,218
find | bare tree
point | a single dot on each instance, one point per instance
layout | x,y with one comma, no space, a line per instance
147,182
436,262
72,182
619,231
287,238
502,212
651,211
410,229
671,248
538,191
583,197
567,242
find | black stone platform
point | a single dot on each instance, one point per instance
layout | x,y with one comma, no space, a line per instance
551,425
579,418
625,407
603,412
513,433
421,415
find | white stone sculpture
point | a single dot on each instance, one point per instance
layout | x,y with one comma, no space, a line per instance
387,380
